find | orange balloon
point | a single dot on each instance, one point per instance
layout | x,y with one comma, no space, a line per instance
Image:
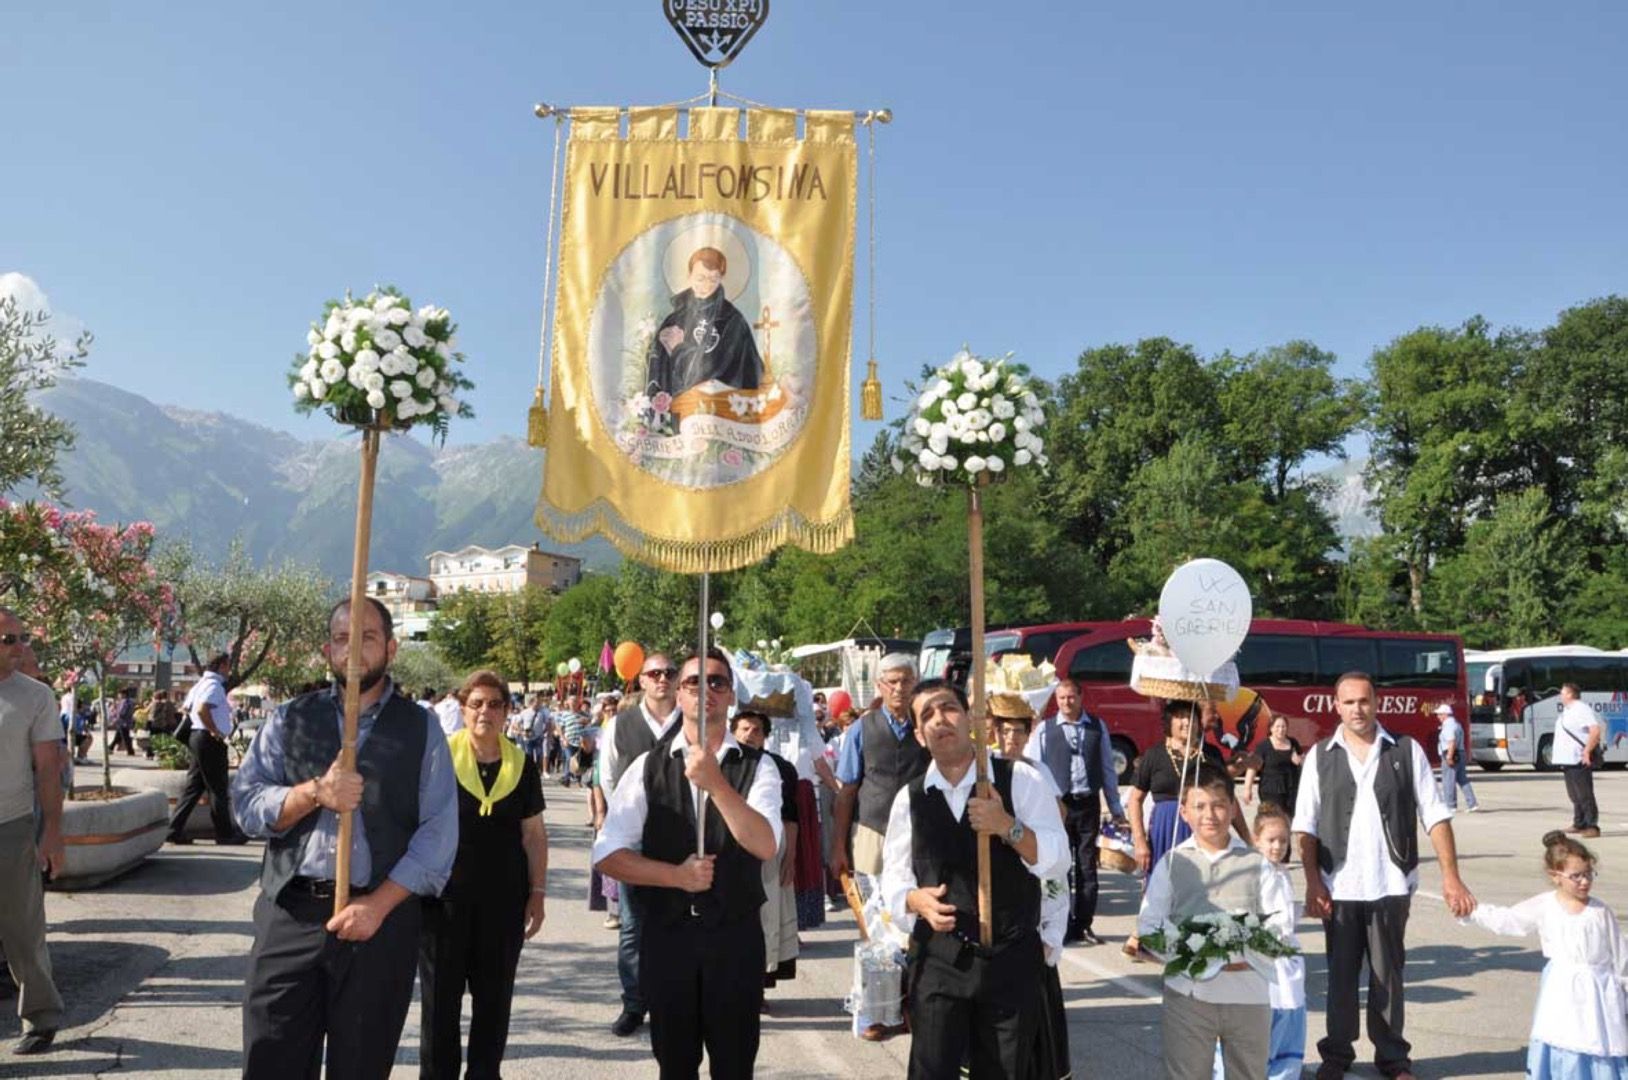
628,659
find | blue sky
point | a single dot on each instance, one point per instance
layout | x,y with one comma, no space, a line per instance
191,180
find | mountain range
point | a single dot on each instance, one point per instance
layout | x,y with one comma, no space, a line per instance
210,477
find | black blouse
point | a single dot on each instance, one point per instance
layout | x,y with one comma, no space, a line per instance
1278,771
1156,771
491,860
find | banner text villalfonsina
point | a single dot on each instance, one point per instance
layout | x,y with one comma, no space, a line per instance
708,180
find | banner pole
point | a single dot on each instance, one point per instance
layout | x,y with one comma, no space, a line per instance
353,656
701,696
980,737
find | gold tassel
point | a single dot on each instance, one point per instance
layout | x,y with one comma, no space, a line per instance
870,394
537,421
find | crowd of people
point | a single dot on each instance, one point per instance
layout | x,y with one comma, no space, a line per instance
725,838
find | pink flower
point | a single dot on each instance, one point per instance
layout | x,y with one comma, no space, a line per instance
732,457
661,402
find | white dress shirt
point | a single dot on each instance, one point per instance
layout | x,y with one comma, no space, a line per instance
629,805
1250,987
1368,873
210,690
450,711
608,772
1033,804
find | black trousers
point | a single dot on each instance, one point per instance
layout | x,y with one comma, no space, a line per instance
975,1007
1585,812
1373,931
471,943
1082,818
305,986
704,988
207,772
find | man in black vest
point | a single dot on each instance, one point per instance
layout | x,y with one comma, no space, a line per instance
701,961
1361,793
345,978
632,732
969,1003
1074,747
880,756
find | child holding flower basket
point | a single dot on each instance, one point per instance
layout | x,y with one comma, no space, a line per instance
1219,915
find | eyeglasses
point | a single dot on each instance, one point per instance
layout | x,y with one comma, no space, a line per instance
477,705
714,682
1582,879
23,638
668,673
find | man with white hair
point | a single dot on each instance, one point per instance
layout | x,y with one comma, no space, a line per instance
1455,766
880,756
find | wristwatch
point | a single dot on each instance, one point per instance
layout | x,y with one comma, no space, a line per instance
1014,835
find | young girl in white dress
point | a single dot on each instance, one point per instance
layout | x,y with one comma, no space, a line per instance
1580,1024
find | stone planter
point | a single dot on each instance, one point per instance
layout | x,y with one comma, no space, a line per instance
111,837
172,782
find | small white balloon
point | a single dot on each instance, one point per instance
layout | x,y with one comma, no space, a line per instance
1205,610
574,666
717,620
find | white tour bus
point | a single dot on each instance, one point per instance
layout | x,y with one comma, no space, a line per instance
1515,696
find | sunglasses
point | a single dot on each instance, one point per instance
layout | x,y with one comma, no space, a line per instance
23,638
714,682
495,705
668,673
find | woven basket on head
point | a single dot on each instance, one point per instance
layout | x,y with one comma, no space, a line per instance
1181,690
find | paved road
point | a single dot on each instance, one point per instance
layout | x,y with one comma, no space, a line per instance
152,968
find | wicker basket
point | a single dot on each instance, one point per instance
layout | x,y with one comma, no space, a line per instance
1179,690
1115,850
1114,859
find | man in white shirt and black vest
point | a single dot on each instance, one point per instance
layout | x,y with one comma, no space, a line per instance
344,979
701,960
630,733
1361,793
1075,749
968,1003
880,755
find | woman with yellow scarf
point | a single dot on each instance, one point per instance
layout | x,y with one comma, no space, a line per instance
494,899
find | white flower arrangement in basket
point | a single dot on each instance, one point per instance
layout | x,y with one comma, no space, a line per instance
1201,946
978,417
376,362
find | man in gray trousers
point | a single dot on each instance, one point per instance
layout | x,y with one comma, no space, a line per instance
1361,792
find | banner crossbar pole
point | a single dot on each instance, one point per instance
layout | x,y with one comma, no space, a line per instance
544,111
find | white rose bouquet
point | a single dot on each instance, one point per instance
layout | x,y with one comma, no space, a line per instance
1201,946
977,417
377,361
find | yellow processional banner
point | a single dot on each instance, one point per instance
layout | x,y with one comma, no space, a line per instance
701,336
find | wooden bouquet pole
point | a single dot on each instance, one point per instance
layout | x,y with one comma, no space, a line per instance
353,654
980,732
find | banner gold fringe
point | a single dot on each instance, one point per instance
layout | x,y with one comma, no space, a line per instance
694,557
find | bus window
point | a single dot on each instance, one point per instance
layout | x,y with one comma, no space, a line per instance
1336,656
1109,662
1407,662
1277,660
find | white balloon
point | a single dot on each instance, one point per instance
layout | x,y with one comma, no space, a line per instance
574,666
717,620
1205,610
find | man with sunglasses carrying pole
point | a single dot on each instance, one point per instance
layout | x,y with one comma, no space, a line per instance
30,768
701,960
632,732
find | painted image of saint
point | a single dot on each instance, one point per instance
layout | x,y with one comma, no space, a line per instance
705,340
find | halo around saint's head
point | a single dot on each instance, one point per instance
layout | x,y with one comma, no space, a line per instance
676,262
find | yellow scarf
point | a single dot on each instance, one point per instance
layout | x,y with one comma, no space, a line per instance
467,769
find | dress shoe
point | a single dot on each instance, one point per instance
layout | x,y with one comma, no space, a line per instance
179,841
1329,1070
626,1024
1589,833
881,1032
1088,937
37,1041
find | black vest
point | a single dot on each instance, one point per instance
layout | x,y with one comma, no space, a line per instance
890,764
944,850
669,837
1059,756
1393,790
632,737
390,761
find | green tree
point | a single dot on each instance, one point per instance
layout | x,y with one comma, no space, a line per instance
1282,405
31,361
418,665
582,619
655,608
464,629
257,616
519,623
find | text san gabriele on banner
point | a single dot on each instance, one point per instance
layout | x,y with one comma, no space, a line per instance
701,344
